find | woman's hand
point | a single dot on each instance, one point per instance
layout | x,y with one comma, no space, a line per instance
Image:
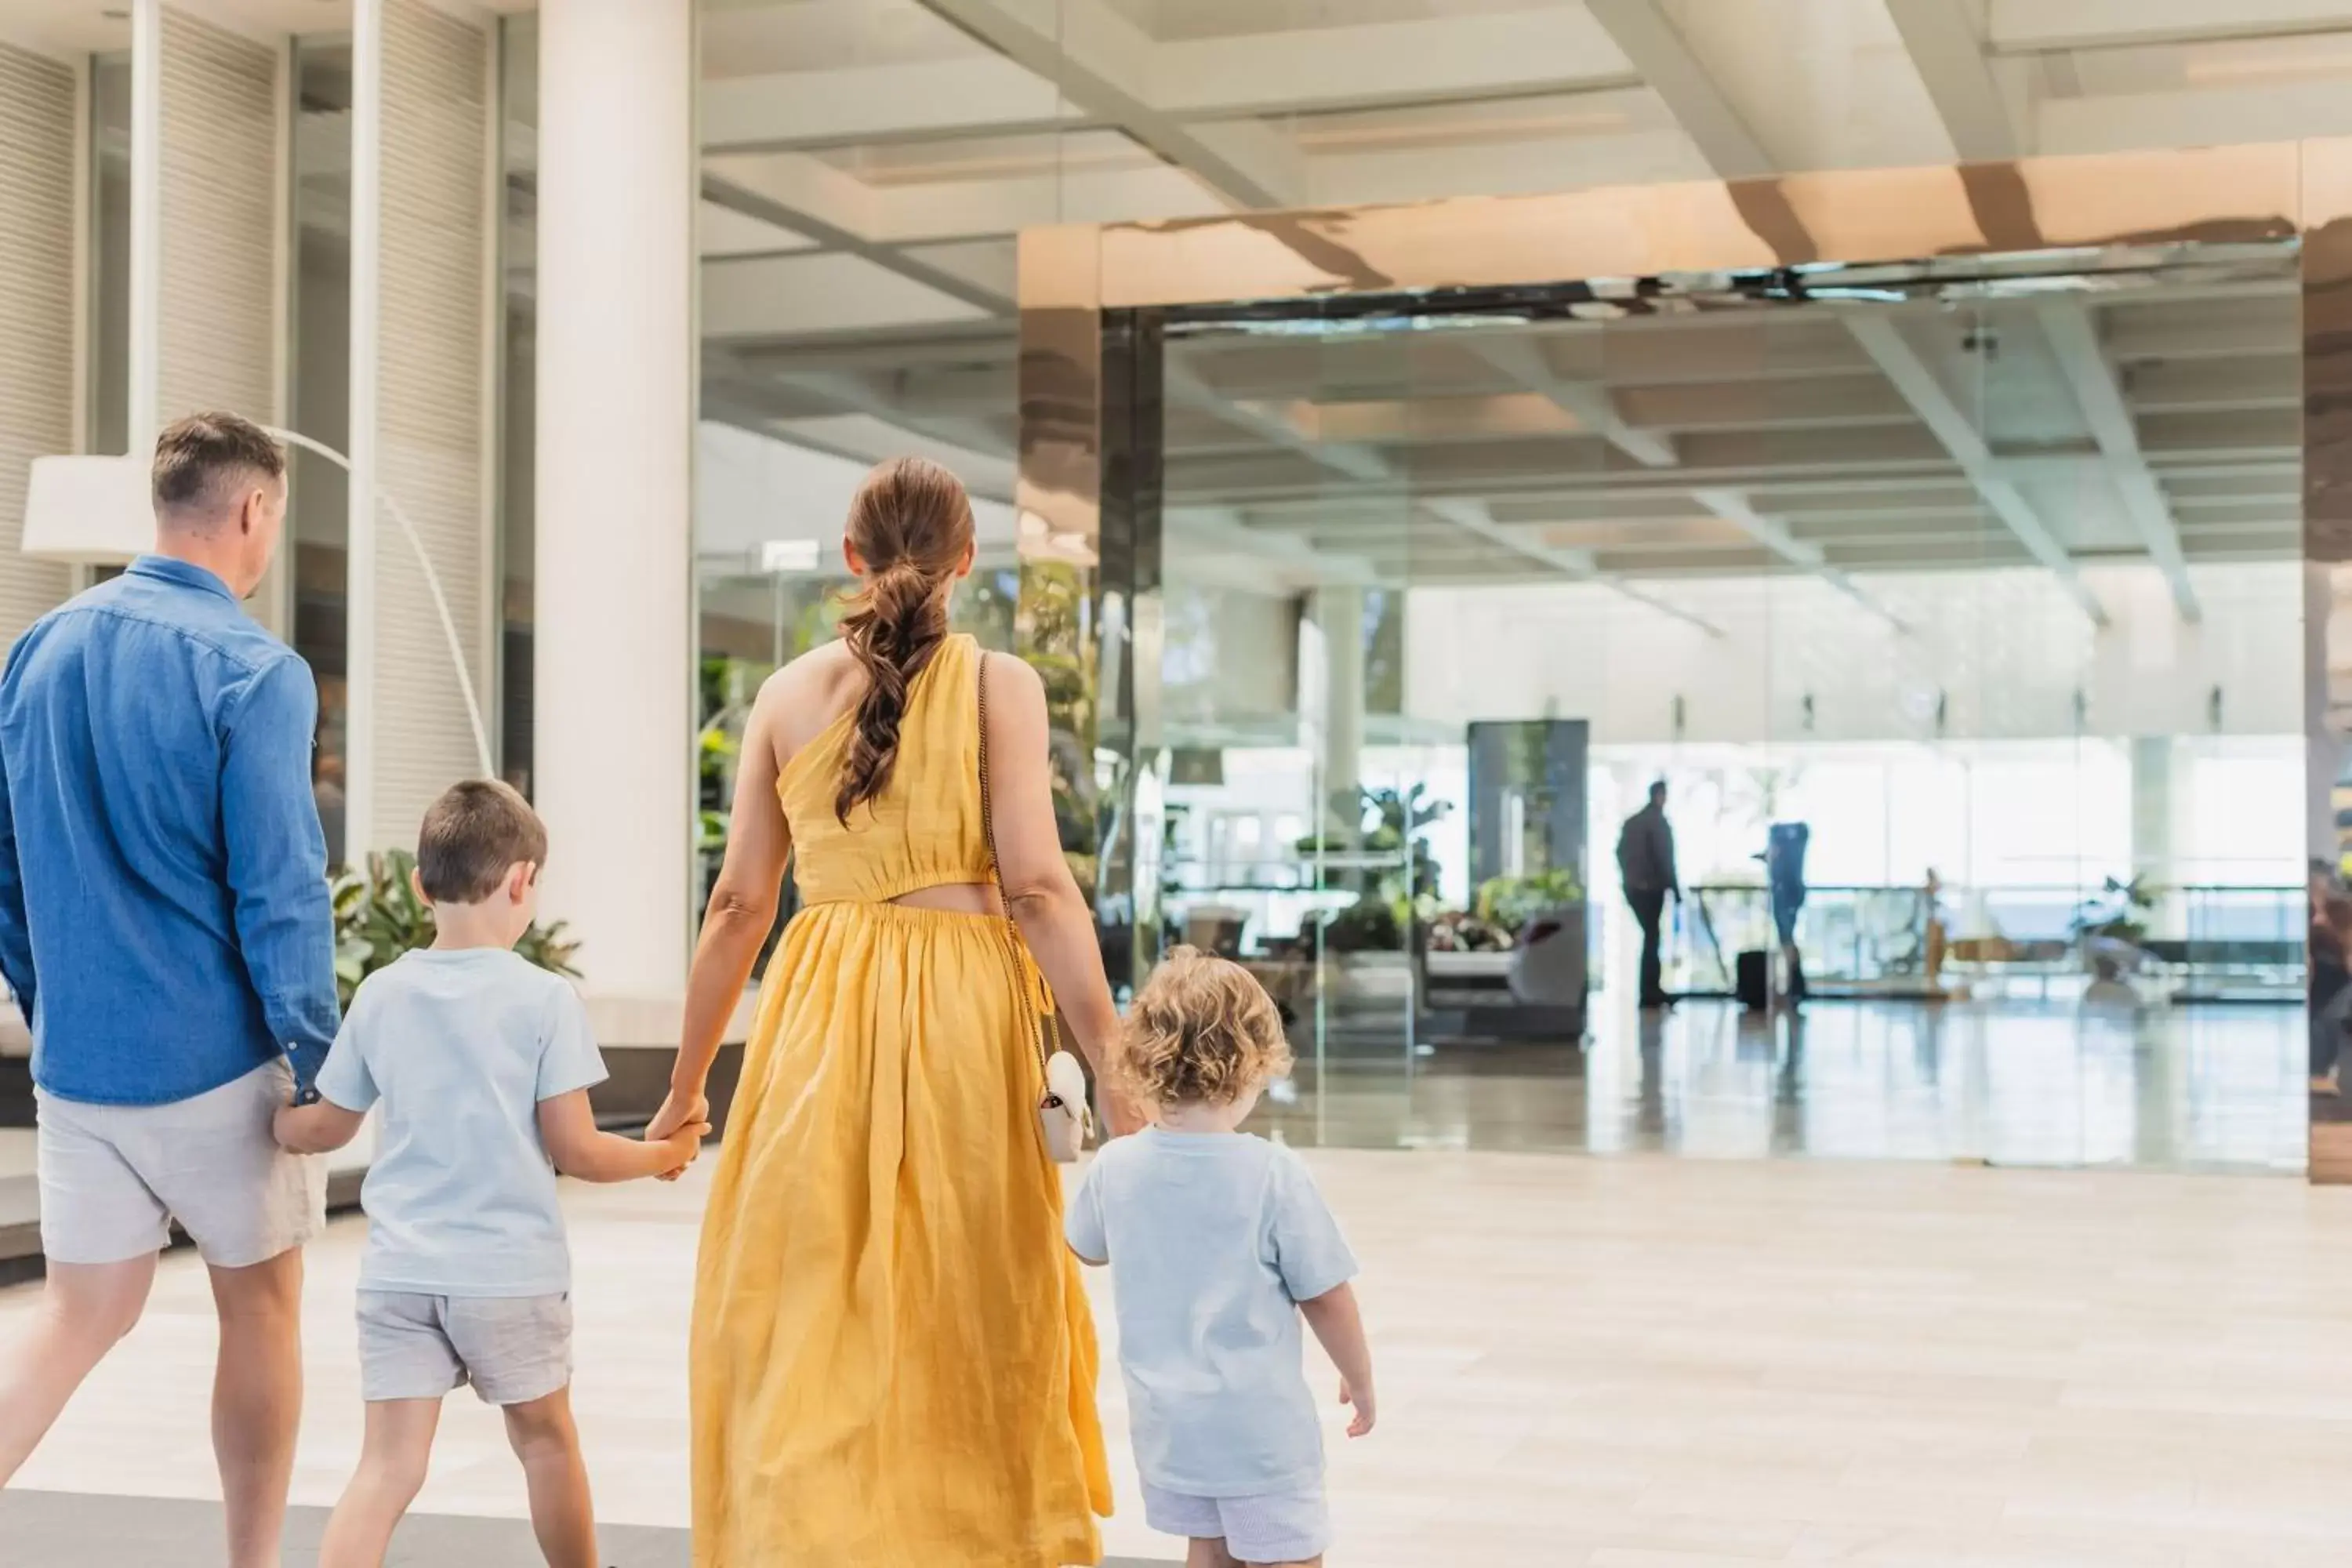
684,1109
1120,1117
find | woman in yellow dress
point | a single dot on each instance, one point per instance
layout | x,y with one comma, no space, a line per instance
893,1362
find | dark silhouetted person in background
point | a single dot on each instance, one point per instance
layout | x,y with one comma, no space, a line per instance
1784,869
1645,864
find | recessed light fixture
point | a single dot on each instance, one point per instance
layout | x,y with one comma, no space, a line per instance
115,14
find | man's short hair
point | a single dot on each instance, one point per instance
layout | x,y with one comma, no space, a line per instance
199,459
472,836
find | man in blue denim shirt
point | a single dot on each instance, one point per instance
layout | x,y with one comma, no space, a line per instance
165,926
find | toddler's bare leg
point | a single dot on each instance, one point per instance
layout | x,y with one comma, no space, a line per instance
394,1459
1207,1553
561,1514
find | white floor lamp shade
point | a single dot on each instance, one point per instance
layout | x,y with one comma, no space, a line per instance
99,511
88,512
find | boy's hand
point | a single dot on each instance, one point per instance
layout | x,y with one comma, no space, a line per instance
683,1144
281,1127
1366,1412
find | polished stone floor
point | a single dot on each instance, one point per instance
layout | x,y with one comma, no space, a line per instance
1634,1362
2214,1087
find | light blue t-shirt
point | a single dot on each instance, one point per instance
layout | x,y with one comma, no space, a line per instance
461,1046
1213,1239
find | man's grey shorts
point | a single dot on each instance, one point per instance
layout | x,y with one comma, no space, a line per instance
512,1349
114,1177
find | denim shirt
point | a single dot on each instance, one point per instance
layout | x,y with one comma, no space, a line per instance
164,918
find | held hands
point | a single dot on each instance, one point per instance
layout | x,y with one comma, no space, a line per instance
684,1122
1367,1412
683,1145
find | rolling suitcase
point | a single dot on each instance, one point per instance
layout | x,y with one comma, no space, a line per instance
1752,981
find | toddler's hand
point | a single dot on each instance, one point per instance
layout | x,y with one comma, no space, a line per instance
683,1144
1366,1412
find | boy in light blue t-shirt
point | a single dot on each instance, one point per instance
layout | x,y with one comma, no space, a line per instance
1219,1243
482,1064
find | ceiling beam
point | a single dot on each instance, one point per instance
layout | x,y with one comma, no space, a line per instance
1950,59
1590,406
1299,562
1773,535
1473,518
1902,365
2033,26
1664,57
2075,338
1101,63
733,193
1365,464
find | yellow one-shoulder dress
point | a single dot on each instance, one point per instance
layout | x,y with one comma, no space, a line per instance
893,1362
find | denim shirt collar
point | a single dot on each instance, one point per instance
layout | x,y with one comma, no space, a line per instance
169,569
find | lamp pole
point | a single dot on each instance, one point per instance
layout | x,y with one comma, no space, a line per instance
432,585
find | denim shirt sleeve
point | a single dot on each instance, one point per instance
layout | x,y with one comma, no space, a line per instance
277,858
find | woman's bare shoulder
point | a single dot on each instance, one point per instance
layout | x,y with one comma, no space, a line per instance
799,700
1011,676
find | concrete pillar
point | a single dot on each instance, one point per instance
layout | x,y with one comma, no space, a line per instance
1337,614
2152,765
208,195
612,758
38,125
421,306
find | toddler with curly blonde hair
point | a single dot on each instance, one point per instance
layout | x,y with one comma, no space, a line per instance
1220,1244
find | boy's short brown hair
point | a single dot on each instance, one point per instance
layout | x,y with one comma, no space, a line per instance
1203,1032
472,836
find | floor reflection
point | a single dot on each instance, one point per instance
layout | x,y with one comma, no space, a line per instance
2004,1082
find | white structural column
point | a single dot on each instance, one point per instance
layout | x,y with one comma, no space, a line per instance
422,272
613,651
216,283
37,311
1339,616
214,310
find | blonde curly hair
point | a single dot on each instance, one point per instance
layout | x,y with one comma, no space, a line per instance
1202,1032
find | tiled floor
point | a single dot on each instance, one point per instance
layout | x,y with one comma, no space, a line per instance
2211,1087
1596,1363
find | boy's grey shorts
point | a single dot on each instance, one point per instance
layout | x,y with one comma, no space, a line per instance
512,1349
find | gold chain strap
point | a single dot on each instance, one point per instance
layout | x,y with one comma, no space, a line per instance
1014,948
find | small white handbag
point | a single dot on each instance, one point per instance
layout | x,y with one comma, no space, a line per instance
1063,1113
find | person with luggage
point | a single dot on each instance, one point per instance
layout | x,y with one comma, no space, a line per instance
1646,867
1784,873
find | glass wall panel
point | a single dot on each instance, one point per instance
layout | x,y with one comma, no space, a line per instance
319,385
110,253
1969,687
1814,548
519,387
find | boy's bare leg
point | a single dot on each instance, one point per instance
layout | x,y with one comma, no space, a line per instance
257,1401
394,1459
1207,1553
561,1514
85,1309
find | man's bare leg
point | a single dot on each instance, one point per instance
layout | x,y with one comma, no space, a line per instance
85,1309
257,1401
